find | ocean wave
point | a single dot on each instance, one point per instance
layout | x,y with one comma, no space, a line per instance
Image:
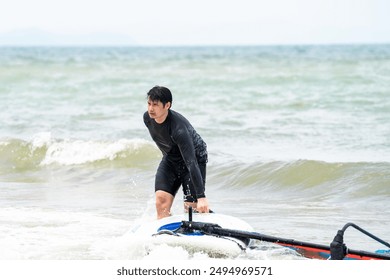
310,177
307,177
43,150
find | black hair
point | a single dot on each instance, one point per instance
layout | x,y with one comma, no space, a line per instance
159,93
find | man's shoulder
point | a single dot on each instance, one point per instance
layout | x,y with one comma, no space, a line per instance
180,126
178,118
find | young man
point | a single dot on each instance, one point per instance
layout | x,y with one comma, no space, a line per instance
184,155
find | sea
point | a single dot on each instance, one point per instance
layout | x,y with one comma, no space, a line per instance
298,139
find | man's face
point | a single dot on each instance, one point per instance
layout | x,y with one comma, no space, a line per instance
157,110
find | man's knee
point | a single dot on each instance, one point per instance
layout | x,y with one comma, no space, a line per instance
163,197
164,202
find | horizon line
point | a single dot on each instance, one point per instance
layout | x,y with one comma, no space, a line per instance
103,45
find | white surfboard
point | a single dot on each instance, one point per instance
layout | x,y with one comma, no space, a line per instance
160,232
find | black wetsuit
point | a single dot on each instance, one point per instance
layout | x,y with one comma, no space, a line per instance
184,156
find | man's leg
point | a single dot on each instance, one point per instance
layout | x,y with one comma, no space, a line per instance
164,202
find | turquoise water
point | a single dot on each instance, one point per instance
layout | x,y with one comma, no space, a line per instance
298,137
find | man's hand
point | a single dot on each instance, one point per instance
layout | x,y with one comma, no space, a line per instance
202,205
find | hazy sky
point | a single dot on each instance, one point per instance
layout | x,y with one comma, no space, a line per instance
194,22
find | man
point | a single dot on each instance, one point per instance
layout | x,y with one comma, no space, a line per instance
184,155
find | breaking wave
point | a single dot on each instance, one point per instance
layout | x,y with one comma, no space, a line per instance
43,150
312,177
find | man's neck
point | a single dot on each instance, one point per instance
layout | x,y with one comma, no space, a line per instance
162,118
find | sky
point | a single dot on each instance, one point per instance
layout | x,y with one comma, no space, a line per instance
193,22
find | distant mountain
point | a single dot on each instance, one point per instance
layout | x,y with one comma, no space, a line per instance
34,37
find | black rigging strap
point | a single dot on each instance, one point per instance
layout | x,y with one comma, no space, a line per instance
337,249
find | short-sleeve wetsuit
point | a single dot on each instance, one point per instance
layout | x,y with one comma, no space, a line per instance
184,156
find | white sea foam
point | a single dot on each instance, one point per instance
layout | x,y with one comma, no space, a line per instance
70,152
41,140
33,233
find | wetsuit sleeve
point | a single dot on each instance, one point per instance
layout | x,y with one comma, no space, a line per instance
184,142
